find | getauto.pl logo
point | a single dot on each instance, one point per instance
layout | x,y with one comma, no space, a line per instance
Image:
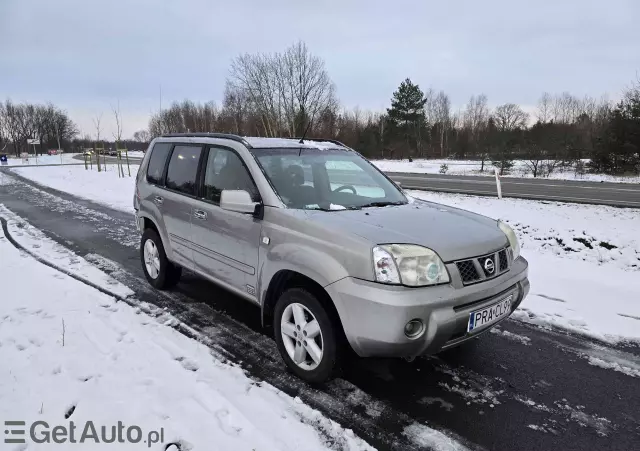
42,432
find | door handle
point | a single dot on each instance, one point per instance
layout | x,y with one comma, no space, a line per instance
199,214
158,200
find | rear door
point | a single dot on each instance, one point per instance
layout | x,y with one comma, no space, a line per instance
178,198
225,242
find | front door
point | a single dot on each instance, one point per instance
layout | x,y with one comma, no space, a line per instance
177,201
225,243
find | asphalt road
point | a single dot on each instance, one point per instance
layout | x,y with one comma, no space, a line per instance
528,389
615,194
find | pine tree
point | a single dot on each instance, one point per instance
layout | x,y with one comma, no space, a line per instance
406,116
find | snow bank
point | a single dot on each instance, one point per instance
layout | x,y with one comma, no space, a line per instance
71,353
44,159
584,262
471,167
103,187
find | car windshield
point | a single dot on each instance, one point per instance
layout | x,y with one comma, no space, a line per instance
333,179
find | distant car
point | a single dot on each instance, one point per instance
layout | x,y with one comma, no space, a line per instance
52,152
113,153
87,152
330,249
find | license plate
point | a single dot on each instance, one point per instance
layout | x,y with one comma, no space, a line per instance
489,314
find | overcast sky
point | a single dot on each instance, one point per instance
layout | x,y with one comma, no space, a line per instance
85,55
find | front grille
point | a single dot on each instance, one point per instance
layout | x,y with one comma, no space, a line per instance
468,271
504,261
482,268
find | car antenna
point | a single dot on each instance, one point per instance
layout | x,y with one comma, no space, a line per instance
305,132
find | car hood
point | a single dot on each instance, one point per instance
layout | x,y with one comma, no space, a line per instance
453,233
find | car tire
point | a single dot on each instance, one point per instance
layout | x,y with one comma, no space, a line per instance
159,271
288,306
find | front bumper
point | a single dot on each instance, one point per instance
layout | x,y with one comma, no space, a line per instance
374,315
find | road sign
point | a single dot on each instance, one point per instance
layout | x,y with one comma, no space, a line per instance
33,141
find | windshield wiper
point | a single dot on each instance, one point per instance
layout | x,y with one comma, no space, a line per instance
382,204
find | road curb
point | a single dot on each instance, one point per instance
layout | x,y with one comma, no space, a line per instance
45,262
132,301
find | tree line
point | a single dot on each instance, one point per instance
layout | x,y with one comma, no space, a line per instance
55,129
22,121
290,93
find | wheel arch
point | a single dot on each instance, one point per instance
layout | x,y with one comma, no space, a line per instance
285,279
150,223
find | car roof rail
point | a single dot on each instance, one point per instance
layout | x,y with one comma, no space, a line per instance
334,141
230,136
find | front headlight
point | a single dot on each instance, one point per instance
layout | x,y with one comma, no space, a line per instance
408,264
511,236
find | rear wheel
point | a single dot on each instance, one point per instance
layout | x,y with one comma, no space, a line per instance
305,335
158,270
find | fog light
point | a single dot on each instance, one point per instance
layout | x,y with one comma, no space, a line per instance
414,328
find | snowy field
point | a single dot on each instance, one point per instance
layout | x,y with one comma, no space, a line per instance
584,262
470,167
103,187
64,158
77,354
584,259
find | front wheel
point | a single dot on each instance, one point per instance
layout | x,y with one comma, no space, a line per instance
305,335
158,270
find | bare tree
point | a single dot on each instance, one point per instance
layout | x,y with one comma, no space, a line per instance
443,119
96,122
544,108
287,90
142,136
118,133
509,117
475,118
3,134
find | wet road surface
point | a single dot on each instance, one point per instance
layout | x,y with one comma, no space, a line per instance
615,194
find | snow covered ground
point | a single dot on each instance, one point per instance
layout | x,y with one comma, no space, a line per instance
470,167
44,159
103,187
72,353
584,262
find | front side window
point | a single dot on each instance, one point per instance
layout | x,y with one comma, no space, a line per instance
157,161
225,170
326,179
183,169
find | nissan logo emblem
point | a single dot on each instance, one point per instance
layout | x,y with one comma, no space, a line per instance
489,266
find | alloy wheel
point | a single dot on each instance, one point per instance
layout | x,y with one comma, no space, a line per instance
151,259
302,336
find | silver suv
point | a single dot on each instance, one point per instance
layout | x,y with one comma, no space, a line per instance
333,251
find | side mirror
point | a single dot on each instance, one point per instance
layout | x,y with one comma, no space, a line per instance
238,201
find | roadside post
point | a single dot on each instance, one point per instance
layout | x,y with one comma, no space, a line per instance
34,142
498,186
126,155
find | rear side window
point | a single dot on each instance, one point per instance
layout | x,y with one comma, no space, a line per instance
183,169
158,158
